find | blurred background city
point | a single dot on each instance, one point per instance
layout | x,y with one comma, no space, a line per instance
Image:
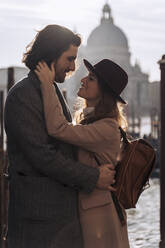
132,34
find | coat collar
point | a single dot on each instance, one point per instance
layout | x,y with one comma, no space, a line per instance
34,79
37,84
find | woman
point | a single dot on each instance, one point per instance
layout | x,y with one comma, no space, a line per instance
98,138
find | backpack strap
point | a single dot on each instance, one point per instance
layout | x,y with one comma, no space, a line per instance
124,136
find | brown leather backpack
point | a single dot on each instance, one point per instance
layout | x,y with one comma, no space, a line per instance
133,170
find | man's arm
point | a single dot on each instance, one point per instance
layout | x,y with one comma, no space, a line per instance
24,120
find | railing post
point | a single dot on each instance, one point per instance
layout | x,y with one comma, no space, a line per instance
162,153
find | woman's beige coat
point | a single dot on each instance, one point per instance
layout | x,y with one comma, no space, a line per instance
99,220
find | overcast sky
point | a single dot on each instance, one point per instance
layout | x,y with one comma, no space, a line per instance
143,22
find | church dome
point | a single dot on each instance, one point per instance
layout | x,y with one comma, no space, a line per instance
107,34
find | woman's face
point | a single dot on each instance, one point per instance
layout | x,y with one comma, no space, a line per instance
90,89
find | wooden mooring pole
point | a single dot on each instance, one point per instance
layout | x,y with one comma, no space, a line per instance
2,211
3,166
162,153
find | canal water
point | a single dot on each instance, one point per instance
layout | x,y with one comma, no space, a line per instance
143,222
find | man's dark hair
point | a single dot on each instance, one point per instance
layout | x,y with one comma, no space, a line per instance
49,44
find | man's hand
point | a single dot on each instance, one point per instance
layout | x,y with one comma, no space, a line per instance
106,178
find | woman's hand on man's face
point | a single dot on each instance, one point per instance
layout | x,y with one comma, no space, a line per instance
44,73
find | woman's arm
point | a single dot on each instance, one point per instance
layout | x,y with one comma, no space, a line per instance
93,137
24,125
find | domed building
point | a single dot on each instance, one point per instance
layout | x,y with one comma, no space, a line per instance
109,41
113,38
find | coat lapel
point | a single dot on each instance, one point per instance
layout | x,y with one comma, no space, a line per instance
63,104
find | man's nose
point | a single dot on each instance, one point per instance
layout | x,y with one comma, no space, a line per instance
72,66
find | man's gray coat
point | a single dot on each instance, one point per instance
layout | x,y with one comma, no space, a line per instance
44,177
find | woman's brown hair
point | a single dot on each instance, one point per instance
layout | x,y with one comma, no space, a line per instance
108,106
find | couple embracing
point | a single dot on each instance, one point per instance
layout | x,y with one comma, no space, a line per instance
62,175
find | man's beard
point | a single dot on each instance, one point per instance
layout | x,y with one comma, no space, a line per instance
59,76
59,79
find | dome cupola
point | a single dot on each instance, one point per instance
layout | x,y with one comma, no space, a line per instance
106,15
107,34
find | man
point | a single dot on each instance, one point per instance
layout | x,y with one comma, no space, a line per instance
44,176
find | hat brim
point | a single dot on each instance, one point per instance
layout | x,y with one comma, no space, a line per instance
92,69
